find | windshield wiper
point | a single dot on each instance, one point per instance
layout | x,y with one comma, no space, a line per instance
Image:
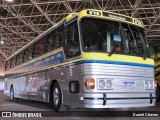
112,51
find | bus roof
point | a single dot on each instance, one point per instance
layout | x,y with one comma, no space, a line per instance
87,12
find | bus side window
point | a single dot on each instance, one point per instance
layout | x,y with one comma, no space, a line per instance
39,48
8,65
51,42
28,54
13,62
19,58
54,39
73,46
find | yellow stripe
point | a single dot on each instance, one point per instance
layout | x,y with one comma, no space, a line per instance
116,57
34,60
45,68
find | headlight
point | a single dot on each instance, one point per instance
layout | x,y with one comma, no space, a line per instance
105,84
149,84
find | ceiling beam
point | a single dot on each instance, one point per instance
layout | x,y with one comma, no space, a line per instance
154,21
20,17
44,14
135,7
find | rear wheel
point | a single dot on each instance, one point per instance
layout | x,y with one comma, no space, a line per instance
56,97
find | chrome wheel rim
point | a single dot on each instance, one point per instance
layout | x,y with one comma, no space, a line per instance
56,96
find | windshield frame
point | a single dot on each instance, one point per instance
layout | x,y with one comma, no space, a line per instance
144,40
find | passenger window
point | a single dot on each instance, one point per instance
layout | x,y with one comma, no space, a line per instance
73,46
28,53
13,62
39,48
19,58
8,65
54,39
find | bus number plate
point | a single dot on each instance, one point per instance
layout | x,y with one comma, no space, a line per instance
129,84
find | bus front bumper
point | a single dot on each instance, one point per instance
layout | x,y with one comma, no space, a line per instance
119,100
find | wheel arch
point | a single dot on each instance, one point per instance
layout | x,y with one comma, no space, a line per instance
51,87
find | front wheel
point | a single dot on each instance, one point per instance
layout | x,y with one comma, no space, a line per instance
56,97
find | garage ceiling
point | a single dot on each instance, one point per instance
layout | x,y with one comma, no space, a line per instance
26,19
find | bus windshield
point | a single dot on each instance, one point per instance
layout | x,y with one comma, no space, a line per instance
100,35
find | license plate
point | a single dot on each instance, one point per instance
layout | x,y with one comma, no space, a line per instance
129,84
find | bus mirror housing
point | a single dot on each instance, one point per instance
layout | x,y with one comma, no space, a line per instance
74,87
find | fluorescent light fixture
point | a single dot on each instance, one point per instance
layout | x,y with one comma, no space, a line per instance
9,0
2,42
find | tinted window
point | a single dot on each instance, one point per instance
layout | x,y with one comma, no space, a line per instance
39,48
101,35
73,46
54,39
28,54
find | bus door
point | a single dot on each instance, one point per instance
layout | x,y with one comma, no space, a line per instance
72,53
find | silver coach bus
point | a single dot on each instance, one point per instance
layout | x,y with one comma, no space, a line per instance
90,59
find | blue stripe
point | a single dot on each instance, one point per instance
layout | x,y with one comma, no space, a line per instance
115,62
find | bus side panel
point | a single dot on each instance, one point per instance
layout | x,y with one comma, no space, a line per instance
73,73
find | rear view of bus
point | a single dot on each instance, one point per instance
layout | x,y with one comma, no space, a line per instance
118,71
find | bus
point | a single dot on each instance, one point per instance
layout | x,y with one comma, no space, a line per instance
90,59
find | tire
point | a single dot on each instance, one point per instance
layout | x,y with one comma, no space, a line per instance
56,97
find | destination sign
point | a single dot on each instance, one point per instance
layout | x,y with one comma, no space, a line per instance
91,12
119,17
115,16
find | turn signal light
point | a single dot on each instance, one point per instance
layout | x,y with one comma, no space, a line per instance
155,85
90,83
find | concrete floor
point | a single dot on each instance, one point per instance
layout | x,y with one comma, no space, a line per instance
25,105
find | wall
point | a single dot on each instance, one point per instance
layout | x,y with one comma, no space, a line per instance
1,84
